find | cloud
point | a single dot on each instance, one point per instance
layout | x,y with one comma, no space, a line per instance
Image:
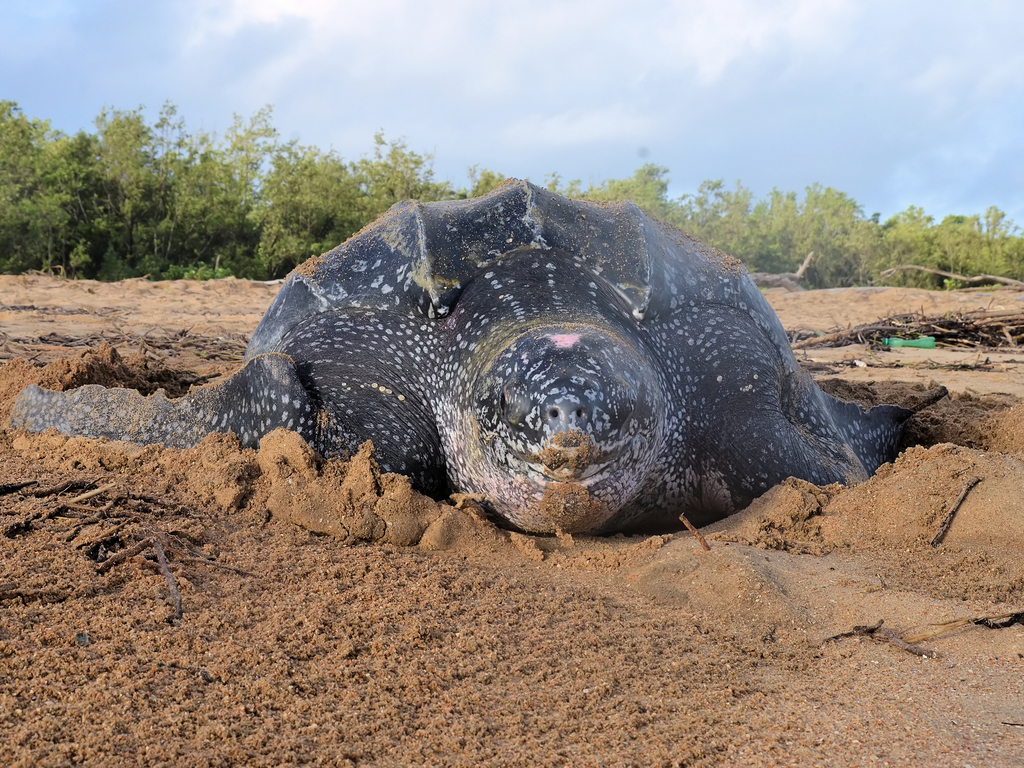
499,44
609,124
888,102
712,36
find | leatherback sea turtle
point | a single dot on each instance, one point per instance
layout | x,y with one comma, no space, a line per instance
580,366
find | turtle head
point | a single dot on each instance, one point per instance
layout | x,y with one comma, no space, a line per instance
568,421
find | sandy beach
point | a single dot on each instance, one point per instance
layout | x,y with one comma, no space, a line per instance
332,616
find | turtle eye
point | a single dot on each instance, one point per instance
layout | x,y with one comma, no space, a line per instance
514,405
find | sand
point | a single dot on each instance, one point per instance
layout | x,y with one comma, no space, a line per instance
332,616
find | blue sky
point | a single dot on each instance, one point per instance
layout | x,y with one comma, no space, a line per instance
894,103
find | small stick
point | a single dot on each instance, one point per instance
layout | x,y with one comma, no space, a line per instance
699,536
124,554
67,485
84,521
6,488
83,508
105,536
878,632
171,583
948,521
899,642
992,622
91,494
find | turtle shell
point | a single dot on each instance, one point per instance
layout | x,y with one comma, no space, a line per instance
418,257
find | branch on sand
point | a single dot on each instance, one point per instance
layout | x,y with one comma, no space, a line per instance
948,520
966,331
886,635
788,280
997,621
976,279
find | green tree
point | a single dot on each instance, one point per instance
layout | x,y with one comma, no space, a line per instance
647,187
481,182
32,214
137,199
833,227
719,217
394,173
312,201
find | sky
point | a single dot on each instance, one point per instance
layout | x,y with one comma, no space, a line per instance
913,102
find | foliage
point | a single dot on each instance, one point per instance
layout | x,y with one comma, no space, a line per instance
776,233
32,214
133,198
312,202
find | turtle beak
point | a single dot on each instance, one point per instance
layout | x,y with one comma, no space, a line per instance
569,456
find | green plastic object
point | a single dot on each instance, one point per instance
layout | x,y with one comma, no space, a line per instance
925,342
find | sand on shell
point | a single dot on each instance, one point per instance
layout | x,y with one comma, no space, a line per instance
332,616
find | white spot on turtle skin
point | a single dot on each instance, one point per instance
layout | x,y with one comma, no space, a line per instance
719,379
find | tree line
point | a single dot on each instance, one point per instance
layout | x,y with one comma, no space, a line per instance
134,198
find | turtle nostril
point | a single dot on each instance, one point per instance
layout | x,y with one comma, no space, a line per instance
579,413
554,413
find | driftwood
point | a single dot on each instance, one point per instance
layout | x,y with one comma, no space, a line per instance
963,330
960,278
788,280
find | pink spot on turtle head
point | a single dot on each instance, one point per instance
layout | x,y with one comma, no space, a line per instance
565,340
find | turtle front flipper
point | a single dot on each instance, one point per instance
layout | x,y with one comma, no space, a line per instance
270,391
262,396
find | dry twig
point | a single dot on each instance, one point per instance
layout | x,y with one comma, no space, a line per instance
968,330
948,520
91,494
998,621
878,632
67,485
6,488
124,554
98,512
697,534
954,276
171,583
